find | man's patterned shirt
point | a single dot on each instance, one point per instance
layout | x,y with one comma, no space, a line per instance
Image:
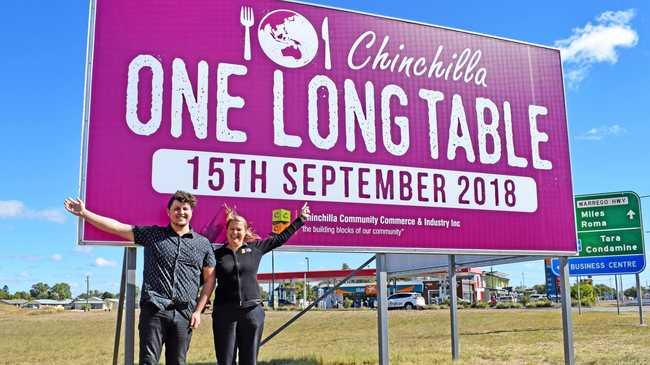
172,267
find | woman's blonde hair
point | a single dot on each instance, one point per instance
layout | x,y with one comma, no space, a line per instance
233,216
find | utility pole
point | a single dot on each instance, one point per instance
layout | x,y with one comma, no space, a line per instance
272,280
306,284
87,290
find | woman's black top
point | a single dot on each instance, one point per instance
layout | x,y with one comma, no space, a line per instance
237,271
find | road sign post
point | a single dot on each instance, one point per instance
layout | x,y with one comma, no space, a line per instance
618,296
567,321
639,298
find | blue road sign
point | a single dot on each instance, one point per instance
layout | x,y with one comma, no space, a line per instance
602,265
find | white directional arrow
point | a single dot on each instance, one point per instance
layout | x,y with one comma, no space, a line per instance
630,214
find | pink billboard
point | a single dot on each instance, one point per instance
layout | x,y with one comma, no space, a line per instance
403,137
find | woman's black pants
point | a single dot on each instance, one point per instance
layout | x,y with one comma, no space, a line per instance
237,329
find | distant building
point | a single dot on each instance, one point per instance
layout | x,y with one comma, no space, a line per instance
111,303
496,283
472,285
361,293
15,302
93,302
47,303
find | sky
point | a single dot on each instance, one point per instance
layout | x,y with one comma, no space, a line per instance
606,59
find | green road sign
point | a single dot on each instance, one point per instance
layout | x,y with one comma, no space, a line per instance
607,211
611,243
609,224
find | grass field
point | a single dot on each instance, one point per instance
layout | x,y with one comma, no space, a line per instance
349,337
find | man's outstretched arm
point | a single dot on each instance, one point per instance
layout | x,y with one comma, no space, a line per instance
109,225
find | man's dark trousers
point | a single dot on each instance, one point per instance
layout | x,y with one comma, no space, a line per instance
158,327
237,329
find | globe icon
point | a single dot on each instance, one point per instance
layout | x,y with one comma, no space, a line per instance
287,38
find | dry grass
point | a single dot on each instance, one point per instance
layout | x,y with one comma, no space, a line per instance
349,337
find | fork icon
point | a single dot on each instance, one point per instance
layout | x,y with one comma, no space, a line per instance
246,19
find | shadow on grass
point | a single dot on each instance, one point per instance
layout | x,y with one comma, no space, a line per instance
514,330
302,361
290,362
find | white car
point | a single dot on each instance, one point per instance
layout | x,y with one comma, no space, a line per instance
406,301
537,297
506,299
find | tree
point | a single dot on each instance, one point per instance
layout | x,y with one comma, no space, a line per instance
92,293
345,266
630,292
264,295
108,295
540,288
40,290
587,294
60,291
311,294
603,290
4,292
21,295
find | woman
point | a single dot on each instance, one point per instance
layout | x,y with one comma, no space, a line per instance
238,316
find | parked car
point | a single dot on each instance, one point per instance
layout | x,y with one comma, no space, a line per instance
536,297
281,302
506,299
554,298
447,299
406,301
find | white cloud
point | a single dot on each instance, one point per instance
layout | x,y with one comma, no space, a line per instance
11,208
27,258
52,215
83,249
597,42
102,262
56,257
599,133
17,209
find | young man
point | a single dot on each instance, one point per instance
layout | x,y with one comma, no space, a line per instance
175,258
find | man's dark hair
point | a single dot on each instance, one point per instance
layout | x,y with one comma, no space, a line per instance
182,197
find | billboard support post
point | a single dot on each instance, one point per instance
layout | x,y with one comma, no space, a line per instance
618,295
120,311
579,297
382,308
639,298
567,326
129,327
453,308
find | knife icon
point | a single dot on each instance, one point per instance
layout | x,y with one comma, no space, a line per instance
325,34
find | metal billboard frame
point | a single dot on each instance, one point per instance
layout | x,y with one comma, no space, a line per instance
130,251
